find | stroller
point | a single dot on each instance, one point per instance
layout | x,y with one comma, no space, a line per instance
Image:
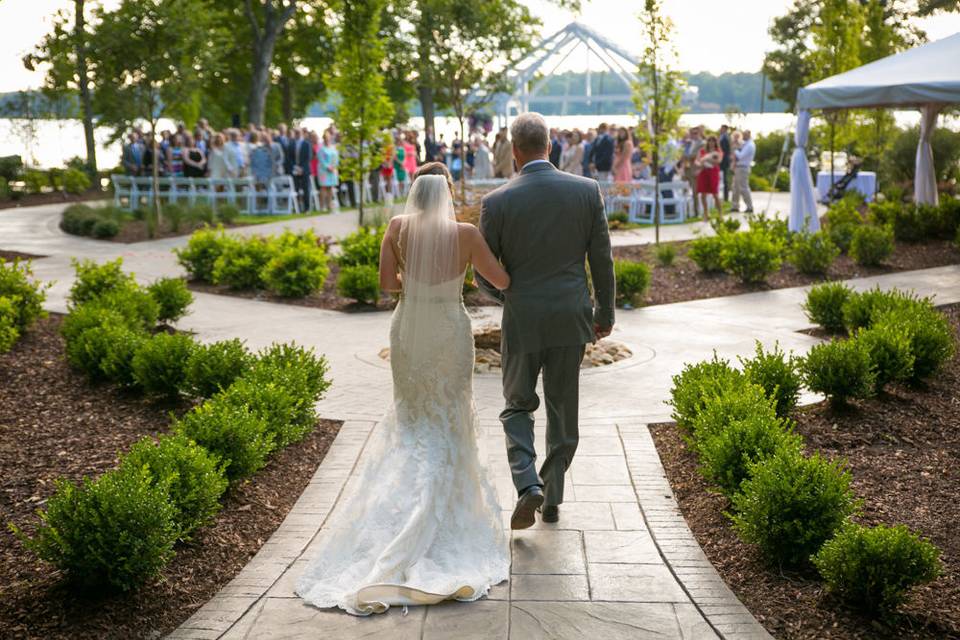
838,188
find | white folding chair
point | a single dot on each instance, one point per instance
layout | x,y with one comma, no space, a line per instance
678,199
181,190
123,190
283,195
142,192
642,202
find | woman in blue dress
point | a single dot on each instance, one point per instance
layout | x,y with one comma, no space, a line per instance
329,160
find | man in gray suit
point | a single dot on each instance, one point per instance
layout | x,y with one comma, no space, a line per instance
544,225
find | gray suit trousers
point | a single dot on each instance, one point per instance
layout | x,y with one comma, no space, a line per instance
561,390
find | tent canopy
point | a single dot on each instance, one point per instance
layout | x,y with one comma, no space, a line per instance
926,74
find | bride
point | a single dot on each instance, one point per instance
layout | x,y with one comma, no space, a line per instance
422,524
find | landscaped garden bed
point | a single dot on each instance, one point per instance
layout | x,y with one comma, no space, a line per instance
107,394
891,416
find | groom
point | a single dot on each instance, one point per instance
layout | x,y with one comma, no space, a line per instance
543,225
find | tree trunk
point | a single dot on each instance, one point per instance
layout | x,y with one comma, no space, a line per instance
426,105
83,82
361,172
286,99
264,41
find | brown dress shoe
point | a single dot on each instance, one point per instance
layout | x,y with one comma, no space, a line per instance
525,513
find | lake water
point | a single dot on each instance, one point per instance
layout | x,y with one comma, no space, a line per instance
52,142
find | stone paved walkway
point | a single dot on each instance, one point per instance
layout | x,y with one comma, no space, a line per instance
620,564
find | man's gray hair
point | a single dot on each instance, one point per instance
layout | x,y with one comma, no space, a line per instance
530,134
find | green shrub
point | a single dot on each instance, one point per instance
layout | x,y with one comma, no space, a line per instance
932,339
737,402
133,303
191,475
871,245
34,180
200,213
88,350
10,167
909,222
117,531
174,213
75,181
751,255
872,568
26,294
214,367
79,219
93,280
773,227
287,414
116,363
201,253
87,316
863,309
840,369
812,253
726,455
160,363
890,352
104,229
296,272
791,504
884,214
706,253
949,218
232,433
4,188
241,262
633,280
172,298
360,283
9,331
759,183
698,382
290,359
723,224
362,248
227,213
825,303
776,373
842,221
617,219
666,254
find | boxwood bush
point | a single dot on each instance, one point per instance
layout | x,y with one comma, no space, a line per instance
213,367
92,280
863,309
735,403
932,340
842,221
75,181
296,272
706,252
890,352
159,365
752,255
633,280
241,262
666,254
362,247
812,253
698,382
776,373
122,344
825,303
9,331
172,298
24,298
872,568
201,253
840,369
791,504
360,283
117,531
871,245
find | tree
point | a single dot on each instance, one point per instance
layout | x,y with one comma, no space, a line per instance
789,65
658,92
928,7
267,20
151,64
67,52
364,106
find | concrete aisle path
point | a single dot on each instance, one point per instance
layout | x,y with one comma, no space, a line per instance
620,564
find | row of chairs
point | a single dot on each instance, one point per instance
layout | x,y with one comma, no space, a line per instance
277,196
637,198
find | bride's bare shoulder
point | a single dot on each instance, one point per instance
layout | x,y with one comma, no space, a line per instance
467,230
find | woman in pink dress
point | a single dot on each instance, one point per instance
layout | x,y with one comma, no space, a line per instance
708,180
622,154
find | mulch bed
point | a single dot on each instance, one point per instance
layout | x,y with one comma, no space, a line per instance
903,451
10,256
53,424
52,197
684,281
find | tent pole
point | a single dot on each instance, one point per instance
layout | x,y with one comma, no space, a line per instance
876,183
831,151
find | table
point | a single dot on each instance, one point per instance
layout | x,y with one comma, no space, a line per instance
865,182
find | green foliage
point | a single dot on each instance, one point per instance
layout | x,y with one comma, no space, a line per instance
93,280
159,365
735,402
362,247
297,271
932,339
23,292
871,245
723,224
75,181
698,382
4,189
790,505
839,369
117,531
133,303
9,331
116,361
213,367
172,298
776,373
104,229
872,568
751,255
890,352
633,280
34,180
231,432
706,253
201,253
812,253
825,303
360,283
900,161
79,219
87,350
10,167
191,475
227,213
666,254
863,309
842,220
86,317
241,262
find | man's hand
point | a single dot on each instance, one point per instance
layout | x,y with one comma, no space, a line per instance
601,332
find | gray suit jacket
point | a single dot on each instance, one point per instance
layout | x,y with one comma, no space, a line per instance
543,225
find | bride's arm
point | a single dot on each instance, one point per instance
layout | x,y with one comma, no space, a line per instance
389,265
485,262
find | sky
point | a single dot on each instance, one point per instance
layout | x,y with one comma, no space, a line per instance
710,35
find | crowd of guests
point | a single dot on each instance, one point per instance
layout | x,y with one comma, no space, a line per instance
709,163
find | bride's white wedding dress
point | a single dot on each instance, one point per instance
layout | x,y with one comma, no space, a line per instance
422,523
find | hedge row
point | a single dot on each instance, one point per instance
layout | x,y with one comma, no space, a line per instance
21,301
120,529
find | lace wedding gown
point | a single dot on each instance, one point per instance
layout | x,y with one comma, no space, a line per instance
422,524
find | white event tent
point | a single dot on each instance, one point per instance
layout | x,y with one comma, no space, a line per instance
925,78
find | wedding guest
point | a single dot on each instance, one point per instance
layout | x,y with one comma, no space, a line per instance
238,149
329,162
743,154
221,163
708,178
502,155
315,144
277,155
430,146
571,160
147,167
194,159
691,151
261,160
623,152
601,154
175,156
386,169
482,165
410,154
399,164
199,140
725,163
587,146
556,148
418,150
133,155
282,138
302,154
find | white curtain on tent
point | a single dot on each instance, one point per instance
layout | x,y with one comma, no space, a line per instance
925,178
803,202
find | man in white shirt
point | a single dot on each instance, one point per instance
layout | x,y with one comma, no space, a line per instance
743,158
